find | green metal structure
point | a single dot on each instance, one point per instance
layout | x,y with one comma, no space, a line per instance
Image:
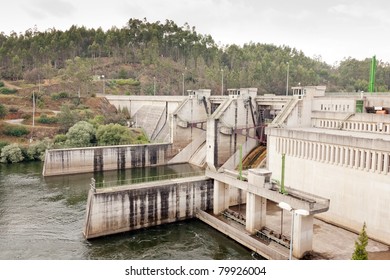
371,85
282,189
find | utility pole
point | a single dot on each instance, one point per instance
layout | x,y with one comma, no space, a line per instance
288,68
222,82
371,86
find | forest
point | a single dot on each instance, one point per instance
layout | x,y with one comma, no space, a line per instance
166,56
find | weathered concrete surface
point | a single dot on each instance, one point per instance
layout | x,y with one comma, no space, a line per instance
81,160
336,152
127,208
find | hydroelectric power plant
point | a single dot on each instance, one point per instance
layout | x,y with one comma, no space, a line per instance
313,153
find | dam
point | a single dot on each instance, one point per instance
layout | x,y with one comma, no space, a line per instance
313,130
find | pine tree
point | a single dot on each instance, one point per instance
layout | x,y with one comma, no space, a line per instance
360,252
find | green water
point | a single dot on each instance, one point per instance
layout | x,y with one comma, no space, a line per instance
42,218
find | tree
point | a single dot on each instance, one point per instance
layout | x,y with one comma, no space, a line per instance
67,118
360,252
82,134
37,150
11,153
113,134
78,72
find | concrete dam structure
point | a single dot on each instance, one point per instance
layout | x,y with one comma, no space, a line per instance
338,146
203,125
337,156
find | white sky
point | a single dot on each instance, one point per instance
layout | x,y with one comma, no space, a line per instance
331,29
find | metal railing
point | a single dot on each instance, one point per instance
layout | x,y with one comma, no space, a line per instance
132,181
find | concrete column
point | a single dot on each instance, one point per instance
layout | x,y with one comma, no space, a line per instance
346,156
211,144
380,162
356,158
373,162
331,159
323,148
256,208
307,145
327,153
362,159
310,154
386,164
336,156
221,197
368,160
351,157
303,235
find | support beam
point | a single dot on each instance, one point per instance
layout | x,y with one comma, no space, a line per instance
256,209
221,197
303,235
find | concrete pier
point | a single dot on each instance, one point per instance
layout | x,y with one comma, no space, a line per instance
126,208
259,189
91,159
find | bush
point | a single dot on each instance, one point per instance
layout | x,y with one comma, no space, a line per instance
113,134
11,153
82,134
47,120
1,83
61,95
37,150
3,111
59,140
130,82
13,110
4,90
16,130
3,144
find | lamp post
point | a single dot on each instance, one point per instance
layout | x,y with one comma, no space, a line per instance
288,68
294,212
183,83
104,85
222,82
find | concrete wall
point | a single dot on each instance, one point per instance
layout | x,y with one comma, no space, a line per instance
134,103
184,119
358,193
140,206
79,160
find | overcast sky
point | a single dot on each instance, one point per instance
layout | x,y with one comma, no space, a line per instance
331,29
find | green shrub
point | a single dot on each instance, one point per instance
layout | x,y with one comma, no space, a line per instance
37,150
3,144
11,154
5,90
13,110
113,134
16,130
1,83
3,111
60,95
130,82
82,134
47,120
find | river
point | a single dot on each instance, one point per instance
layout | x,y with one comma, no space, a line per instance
42,218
